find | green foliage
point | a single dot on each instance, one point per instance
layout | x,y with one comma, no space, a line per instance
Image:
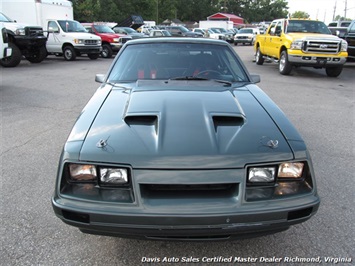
185,10
300,14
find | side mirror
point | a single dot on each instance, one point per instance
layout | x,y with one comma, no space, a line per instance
255,78
272,31
100,78
52,30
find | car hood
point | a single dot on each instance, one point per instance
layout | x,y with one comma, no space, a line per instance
319,36
167,126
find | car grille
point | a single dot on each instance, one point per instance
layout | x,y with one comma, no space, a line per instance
190,191
90,42
242,37
324,47
34,31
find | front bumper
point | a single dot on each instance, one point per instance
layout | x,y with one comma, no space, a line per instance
317,60
88,49
262,220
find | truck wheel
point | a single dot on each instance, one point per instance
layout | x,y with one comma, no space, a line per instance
106,51
259,59
69,53
38,56
93,56
14,59
334,71
285,67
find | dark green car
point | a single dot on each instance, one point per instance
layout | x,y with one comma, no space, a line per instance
179,143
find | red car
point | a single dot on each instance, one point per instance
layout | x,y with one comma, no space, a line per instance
111,41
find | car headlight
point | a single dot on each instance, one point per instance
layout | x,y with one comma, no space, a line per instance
82,172
20,31
79,41
261,174
89,173
116,39
344,46
296,45
113,176
290,170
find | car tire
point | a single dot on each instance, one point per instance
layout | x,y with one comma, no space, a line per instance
15,57
259,58
69,53
106,51
285,67
235,43
93,56
333,71
39,56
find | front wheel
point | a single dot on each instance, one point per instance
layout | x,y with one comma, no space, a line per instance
333,71
285,67
38,56
259,58
14,59
106,51
69,53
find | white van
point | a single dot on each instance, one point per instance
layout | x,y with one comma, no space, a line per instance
65,36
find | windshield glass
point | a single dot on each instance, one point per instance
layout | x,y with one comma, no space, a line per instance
103,29
71,26
177,61
4,18
246,31
307,26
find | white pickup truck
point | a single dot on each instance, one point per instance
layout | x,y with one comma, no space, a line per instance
5,50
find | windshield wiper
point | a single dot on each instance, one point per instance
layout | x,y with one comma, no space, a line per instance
188,78
200,78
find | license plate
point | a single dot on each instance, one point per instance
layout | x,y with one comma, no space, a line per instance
322,61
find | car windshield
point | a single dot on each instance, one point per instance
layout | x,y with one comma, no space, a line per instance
129,30
307,26
165,60
71,26
246,31
4,18
103,29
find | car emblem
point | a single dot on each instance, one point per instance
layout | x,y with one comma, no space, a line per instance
323,46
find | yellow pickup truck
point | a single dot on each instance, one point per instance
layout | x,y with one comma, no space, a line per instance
301,42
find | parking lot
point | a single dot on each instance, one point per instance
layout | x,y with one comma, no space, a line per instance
39,104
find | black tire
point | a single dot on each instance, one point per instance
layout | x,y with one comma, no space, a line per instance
259,57
106,51
333,71
235,43
93,56
14,59
285,67
39,56
69,53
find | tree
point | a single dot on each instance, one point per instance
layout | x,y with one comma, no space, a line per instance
300,14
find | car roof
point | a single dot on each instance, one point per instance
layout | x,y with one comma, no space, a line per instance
178,40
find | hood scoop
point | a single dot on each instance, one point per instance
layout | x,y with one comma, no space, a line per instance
226,130
146,128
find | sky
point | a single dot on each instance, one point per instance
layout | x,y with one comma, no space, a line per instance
323,9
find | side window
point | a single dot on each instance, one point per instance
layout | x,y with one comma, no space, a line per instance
272,26
278,28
